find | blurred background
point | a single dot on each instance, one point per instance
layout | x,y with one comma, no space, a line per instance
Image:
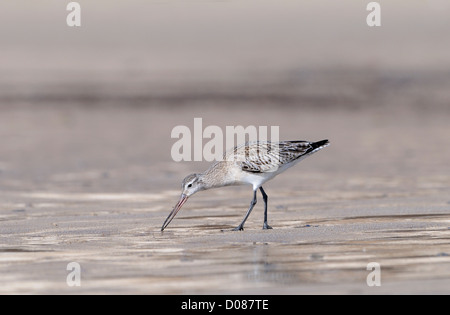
93,107
86,172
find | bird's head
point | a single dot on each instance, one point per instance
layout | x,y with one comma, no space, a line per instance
190,185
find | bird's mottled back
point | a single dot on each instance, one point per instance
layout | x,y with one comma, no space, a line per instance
262,157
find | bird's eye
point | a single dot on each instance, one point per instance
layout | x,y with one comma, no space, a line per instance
190,185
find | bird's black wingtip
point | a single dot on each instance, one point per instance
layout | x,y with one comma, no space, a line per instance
319,144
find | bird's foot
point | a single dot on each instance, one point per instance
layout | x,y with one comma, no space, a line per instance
267,226
239,228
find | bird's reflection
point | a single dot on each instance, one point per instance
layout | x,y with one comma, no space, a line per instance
267,267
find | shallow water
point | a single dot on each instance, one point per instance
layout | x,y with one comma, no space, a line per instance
86,173
93,184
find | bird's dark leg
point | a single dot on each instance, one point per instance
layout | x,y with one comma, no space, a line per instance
252,205
266,226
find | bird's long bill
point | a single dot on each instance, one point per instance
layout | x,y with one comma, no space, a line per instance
174,212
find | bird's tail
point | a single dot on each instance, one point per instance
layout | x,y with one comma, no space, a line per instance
316,146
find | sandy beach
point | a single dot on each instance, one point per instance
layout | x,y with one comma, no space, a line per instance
86,173
70,193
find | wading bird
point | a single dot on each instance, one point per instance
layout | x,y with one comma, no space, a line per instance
253,163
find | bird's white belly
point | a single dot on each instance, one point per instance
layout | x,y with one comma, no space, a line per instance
258,179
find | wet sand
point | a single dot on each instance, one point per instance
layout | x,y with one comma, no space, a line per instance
86,173
93,184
